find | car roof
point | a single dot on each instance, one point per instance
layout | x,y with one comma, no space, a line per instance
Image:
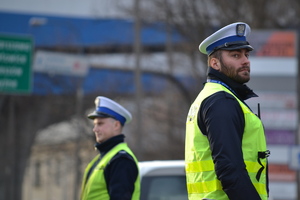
162,167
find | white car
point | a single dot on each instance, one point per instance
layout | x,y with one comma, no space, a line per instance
163,180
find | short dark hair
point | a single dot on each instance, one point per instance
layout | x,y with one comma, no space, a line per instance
217,54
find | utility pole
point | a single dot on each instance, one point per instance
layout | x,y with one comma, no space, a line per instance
138,79
170,61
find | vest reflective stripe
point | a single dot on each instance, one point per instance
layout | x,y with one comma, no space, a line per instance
208,165
200,166
202,181
204,187
95,187
253,167
210,186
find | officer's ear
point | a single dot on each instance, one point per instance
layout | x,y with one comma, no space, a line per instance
118,125
215,63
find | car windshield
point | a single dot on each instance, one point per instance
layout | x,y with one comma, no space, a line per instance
163,188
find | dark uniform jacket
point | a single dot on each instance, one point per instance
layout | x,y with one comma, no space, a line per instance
221,111
120,185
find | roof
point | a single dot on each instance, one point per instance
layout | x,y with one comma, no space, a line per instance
51,31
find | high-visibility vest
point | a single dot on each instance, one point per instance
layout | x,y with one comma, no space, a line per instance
95,187
202,181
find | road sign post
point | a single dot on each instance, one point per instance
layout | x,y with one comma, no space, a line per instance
15,64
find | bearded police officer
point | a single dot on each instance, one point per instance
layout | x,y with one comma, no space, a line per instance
226,153
113,174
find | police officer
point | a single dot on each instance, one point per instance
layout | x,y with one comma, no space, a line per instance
226,149
113,174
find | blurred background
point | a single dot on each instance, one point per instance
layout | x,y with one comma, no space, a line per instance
57,56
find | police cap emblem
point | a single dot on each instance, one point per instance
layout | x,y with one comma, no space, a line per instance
240,29
97,102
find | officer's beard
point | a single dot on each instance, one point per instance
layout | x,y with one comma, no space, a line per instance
240,75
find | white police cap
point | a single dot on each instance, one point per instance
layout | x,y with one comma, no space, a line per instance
106,107
230,37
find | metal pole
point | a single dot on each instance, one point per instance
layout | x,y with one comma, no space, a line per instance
170,98
138,82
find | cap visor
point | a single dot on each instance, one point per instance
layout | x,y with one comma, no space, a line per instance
250,48
94,115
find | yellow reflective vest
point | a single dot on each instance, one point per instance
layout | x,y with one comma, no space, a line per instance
95,187
202,181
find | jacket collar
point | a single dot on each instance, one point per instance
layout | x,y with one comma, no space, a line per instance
104,147
242,91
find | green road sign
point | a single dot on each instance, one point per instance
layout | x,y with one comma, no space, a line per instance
15,64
